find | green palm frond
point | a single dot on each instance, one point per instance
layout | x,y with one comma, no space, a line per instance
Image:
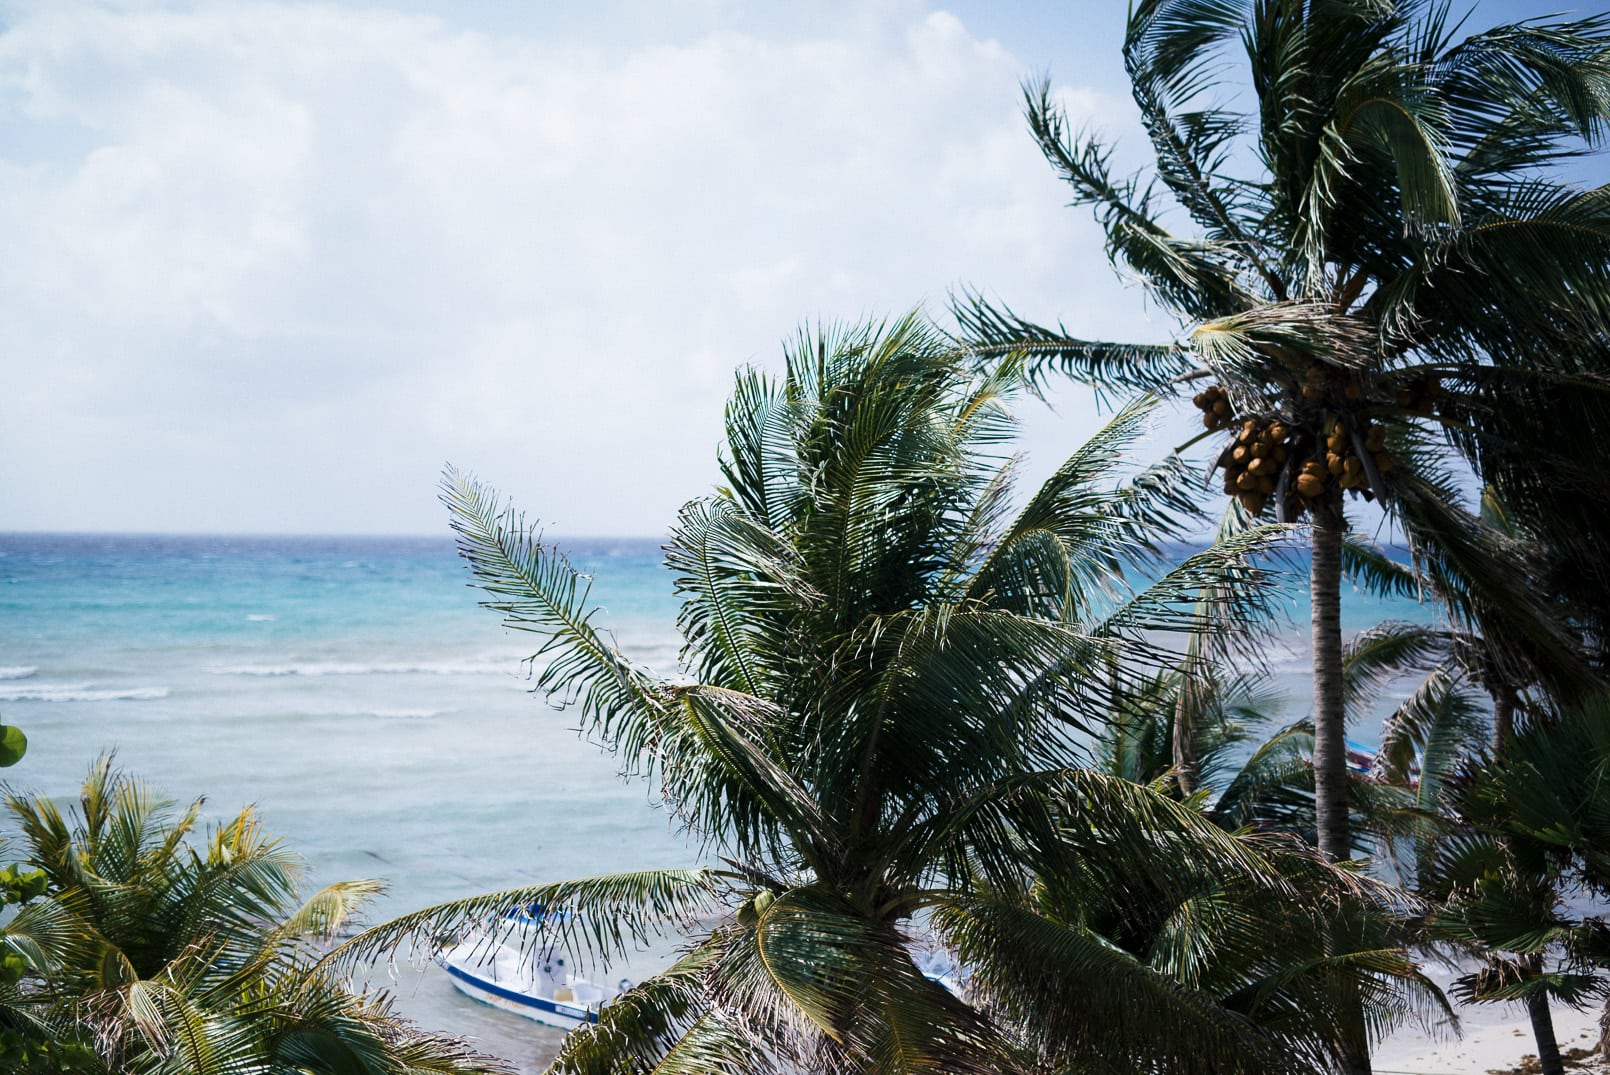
742,784
1138,1009
660,1024
1487,581
176,952
1381,110
1232,581
1388,650
1523,827
330,908
48,935
857,984
1368,567
1427,737
1275,786
738,588
536,589
602,916
1200,279
993,329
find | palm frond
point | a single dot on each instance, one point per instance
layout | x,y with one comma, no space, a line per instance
990,328
602,916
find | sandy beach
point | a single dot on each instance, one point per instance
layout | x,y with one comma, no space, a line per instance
1495,1039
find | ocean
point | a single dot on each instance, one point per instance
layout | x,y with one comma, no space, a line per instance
381,722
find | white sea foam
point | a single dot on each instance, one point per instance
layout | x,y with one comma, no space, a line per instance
80,692
338,668
382,713
19,671
259,617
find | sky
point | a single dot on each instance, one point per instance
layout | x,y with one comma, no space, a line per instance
267,267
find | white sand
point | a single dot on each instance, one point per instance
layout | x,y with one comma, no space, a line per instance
1496,1038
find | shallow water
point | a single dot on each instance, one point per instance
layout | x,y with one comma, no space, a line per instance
351,688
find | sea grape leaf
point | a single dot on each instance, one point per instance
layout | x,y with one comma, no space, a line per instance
13,745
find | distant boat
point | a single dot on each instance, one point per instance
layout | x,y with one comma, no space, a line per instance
532,980
1360,758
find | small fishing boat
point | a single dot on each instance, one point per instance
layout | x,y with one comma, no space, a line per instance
533,980
536,985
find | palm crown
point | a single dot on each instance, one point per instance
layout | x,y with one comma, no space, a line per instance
1381,268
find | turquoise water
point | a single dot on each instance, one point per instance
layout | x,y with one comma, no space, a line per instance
351,688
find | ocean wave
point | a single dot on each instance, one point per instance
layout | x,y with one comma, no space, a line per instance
259,617
19,671
80,692
338,668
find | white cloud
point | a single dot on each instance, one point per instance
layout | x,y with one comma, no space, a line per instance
268,266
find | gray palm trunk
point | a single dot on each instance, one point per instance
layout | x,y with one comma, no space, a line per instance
1330,740
1537,1006
1503,717
1330,731
1185,763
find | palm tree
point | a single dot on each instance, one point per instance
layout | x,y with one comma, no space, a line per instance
137,951
1255,767
1525,829
879,733
1398,276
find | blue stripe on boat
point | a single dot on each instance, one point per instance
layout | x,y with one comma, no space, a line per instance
569,1010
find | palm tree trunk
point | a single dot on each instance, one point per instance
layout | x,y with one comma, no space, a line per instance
1185,763
1330,735
1548,1049
1330,740
1503,718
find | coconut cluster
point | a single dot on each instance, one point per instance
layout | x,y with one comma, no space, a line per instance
1341,390
1253,461
1423,397
1269,458
1341,465
1214,403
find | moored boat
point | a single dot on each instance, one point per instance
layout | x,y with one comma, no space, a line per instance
534,983
531,979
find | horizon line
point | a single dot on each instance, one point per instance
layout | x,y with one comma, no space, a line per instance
445,534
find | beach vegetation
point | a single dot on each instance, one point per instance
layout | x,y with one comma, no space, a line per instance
139,945
1517,865
892,671
1255,764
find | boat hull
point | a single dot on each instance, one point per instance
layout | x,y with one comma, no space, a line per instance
554,1013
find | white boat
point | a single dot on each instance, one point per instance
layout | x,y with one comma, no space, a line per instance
533,980
536,985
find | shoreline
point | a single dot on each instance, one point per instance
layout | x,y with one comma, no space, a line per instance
1497,1038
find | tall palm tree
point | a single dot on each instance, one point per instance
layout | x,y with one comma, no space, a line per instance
878,731
1384,274
138,951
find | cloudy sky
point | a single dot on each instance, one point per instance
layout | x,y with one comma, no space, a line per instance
267,266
